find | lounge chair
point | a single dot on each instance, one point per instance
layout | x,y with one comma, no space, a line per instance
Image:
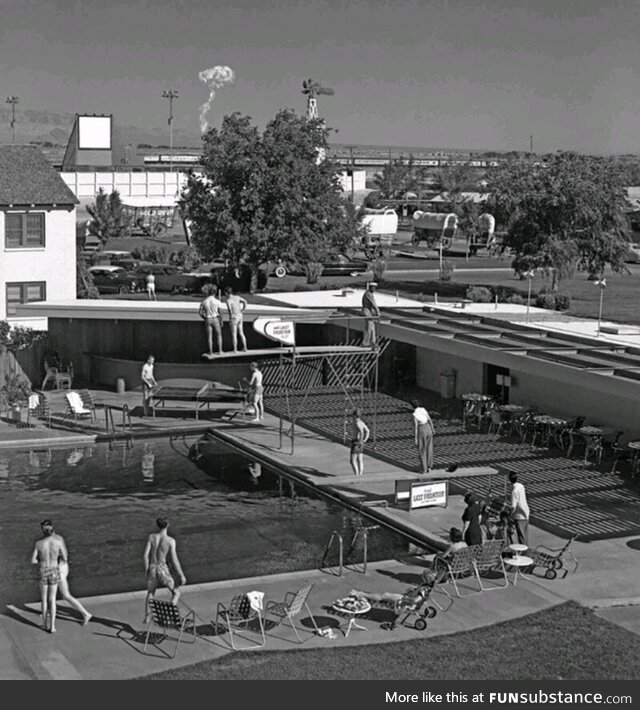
76,408
291,607
459,564
167,616
239,615
61,379
488,558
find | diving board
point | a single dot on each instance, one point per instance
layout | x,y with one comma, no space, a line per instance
307,350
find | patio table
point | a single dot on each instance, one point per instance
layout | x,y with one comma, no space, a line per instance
553,426
473,406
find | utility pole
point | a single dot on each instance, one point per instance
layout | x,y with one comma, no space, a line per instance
170,94
352,169
13,100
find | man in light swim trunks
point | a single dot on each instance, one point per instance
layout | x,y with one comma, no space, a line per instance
159,548
359,437
236,306
210,311
257,389
47,553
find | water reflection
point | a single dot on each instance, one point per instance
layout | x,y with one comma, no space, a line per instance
148,464
40,459
4,469
255,471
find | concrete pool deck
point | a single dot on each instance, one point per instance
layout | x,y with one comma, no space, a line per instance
110,646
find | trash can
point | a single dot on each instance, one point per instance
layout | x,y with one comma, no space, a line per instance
448,384
120,386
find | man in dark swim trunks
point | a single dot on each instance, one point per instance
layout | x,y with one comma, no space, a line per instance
47,553
359,436
159,548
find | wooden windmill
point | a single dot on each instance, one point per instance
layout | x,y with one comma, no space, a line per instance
313,89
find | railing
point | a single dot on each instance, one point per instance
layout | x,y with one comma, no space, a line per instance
110,425
334,536
365,535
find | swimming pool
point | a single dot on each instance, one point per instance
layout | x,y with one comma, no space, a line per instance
230,518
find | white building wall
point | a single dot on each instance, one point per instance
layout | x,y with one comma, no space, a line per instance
55,264
359,180
128,184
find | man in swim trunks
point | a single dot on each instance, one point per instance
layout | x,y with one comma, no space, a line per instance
160,548
236,306
47,553
257,390
210,312
359,436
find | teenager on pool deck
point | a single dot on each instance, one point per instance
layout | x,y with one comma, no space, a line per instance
423,435
519,509
257,388
159,549
359,437
47,553
210,311
148,383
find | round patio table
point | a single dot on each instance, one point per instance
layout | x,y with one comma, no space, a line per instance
520,561
352,613
553,427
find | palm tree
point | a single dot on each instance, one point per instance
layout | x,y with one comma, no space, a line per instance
313,89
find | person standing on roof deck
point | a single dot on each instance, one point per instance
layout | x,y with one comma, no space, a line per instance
210,311
370,311
519,509
423,435
151,287
359,437
148,383
236,306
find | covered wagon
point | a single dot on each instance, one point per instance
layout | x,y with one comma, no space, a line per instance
382,227
434,228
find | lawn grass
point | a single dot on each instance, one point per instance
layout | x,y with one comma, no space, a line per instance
566,642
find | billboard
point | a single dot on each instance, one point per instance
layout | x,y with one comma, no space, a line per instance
94,132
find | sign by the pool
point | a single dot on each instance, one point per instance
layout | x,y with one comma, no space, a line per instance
427,494
282,331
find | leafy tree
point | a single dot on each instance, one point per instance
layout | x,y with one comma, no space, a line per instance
108,217
564,216
266,197
398,176
85,287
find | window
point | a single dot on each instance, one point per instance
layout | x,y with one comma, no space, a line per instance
24,229
24,293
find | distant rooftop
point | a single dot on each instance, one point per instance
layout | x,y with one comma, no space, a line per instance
28,178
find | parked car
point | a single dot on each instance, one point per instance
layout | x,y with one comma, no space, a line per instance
130,264
338,265
633,253
238,279
168,278
113,279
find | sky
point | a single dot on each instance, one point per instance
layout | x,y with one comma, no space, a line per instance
433,73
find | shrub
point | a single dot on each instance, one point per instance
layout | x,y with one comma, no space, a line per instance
378,266
448,267
563,301
479,294
546,300
504,293
302,287
516,299
313,270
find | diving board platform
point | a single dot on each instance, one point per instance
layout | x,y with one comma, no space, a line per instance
307,350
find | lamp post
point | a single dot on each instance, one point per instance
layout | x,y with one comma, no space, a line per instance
352,169
601,284
529,275
170,94
13,100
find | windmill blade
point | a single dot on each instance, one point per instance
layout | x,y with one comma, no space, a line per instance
323,91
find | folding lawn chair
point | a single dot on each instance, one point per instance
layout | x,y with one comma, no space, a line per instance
167,616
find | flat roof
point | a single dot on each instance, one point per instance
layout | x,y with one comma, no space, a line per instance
338,298
113,309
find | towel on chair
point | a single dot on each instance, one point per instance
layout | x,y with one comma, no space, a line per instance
34,401
256,600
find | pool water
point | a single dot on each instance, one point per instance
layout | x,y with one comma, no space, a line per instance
230,518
